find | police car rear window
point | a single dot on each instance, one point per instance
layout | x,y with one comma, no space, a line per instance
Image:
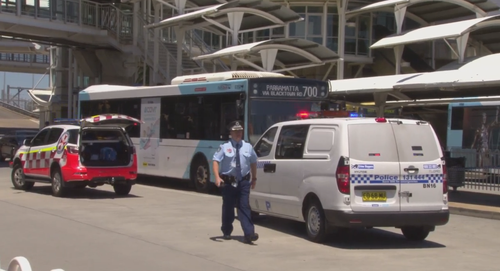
372,142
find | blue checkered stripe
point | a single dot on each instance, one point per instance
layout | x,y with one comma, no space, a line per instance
435,178
261,164
361,178
370,179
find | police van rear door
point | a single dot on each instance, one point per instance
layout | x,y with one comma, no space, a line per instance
421,166
374,167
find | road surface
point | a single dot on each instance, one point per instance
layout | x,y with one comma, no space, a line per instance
12,119
160,228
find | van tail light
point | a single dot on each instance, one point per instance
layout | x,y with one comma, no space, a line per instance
72,149
445,177
343,178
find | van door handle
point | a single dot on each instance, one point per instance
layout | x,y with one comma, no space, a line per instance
411,169
270,168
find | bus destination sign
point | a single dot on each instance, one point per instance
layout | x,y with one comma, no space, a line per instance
284,90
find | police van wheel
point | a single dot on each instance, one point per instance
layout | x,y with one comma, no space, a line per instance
315,222
18,179
415,233
200,175
58,189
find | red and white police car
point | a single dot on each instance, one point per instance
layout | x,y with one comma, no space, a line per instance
90,152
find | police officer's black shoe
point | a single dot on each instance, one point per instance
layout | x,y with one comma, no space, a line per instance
251,238
227,237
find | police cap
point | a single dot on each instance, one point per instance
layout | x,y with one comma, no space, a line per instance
235,126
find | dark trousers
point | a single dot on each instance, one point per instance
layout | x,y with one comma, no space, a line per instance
239,196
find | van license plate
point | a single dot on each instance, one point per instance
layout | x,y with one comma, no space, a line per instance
377,196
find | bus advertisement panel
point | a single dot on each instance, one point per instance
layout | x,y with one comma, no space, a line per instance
185,124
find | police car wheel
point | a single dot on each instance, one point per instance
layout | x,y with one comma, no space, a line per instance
122,189
415,233
58,190
18,179
315,222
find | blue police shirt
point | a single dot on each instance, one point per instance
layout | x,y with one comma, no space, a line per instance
226,156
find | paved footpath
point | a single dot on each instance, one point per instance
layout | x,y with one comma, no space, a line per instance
168,228
476,202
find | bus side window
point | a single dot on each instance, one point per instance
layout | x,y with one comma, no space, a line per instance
228,114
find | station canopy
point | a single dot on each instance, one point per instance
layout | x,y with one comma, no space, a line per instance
484,29
474,78
432,11
287,53
257,15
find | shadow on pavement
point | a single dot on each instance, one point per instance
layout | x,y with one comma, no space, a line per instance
349,238
239,238
86,193
171,183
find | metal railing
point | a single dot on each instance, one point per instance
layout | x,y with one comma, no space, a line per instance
167,71
28,58
20,263
204,48
473,169
118,23
82,13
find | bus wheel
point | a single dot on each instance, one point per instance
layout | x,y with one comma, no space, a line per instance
200,175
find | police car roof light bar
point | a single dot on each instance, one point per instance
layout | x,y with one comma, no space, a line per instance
380,120
66,121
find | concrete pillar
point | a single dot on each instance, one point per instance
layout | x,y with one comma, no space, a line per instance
135,24
268,57
235,19
341,7
59,77
179,35
156,42
399,15
462,46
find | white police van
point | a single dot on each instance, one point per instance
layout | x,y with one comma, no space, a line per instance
352,172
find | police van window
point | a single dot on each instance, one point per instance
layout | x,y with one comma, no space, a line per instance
40,138
372,142
264,146
73,136
416,143
291,142
54,135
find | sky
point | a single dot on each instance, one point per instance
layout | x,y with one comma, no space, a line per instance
25,80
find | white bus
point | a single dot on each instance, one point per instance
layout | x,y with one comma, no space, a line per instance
185,123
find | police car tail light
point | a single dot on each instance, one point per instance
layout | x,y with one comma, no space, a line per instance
72,149
343,177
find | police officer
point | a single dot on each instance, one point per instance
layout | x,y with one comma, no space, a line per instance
233,161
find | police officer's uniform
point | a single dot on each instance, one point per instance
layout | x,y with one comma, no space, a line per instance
236,187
